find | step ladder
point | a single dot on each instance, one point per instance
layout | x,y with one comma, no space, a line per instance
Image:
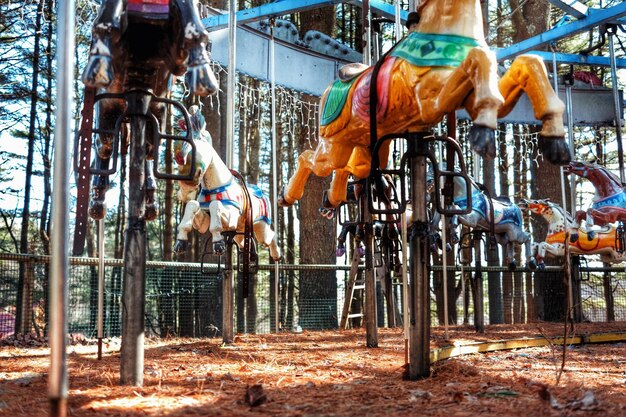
356,282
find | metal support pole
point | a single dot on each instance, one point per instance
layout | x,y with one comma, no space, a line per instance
60,248
405,285
570,136
230,94
275,170
134,285
371,307
228,285
367,33
100,285
616,103
479,297
419,329
398,24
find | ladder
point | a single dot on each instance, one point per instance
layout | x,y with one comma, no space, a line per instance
356,282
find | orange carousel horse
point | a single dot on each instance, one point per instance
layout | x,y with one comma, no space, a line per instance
582,241
443,64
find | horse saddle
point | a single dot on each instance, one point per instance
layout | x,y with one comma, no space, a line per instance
505,200
350,71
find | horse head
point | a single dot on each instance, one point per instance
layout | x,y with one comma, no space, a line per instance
198,133
535,206
595,173
451,17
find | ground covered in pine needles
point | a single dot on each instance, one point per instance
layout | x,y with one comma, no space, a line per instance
329,373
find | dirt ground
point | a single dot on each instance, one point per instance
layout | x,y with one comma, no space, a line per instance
328,373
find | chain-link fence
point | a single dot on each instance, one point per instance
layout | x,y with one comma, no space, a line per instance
184,299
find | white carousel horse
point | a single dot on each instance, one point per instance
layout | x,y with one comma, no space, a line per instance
507,217
582,240
220,204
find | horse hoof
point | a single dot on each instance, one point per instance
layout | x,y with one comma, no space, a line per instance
98,72
532,264
541,266
282,201
512,266
483,141
327,213
97,210
200,77
180,247
555,150
219,248
151,212
573,238
340,252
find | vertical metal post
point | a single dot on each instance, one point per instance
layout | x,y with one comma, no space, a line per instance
570,136
479,297
228,285
616,103
275,168
134,285
100,329
59,264
419,329
398,20
371,313
367,33
230,94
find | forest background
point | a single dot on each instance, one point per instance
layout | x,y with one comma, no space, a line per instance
27,105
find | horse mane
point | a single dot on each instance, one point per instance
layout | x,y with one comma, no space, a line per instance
565,214
608,173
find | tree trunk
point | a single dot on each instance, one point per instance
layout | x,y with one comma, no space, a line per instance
507,277
25,280
494,285
318,290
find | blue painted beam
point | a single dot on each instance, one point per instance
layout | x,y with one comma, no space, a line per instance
596,18
574,59
571,7
279,8
285,7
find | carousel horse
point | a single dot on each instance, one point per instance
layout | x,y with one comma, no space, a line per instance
443,64
220,205
506,221
140,45
609,203
601,242
386,227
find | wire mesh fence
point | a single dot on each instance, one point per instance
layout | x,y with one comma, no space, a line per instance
185,299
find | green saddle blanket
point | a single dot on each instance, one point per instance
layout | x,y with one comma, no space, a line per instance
434,50
335,100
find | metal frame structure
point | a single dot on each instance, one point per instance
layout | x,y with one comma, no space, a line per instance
587,19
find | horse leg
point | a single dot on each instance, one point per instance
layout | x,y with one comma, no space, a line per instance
98,72
267,237
528,74
295,187
221,218
199,76
322,162
477,75
338,191
531,262
150,184
109,112
186,224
